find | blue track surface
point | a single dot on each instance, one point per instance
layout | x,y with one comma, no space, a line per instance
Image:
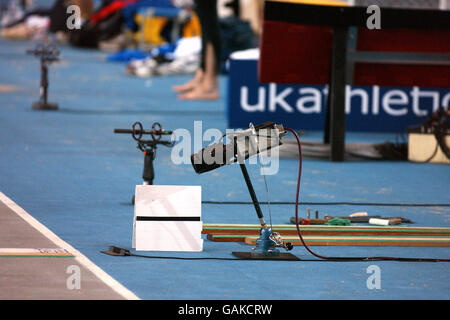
71,172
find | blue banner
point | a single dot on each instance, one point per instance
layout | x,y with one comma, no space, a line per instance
368,108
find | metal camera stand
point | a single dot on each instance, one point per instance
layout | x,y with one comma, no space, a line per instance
148,147
269,241
47,55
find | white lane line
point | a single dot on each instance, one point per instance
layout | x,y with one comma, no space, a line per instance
83,260
35,252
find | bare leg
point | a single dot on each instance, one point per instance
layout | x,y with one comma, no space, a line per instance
191,84
207,88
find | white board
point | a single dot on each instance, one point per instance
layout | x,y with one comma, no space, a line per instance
167,218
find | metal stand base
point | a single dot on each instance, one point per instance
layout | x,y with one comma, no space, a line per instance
263,256
44,106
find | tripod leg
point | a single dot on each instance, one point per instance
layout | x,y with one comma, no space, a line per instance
42,104
252,194
149,172
44,83
265,245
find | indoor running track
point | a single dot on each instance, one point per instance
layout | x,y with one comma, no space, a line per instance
68,170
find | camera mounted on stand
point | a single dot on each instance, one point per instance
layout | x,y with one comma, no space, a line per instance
244,144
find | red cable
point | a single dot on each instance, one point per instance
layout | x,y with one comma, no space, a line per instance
340,258
297,195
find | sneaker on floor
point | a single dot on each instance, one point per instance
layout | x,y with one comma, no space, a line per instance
184,65
142,68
